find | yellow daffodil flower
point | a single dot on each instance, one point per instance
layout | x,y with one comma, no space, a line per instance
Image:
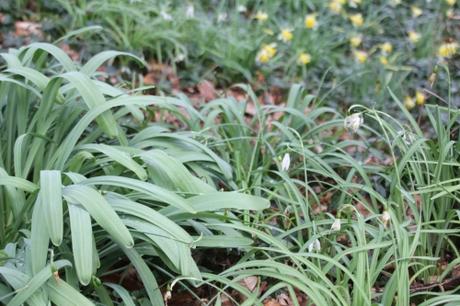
448,49
310,21
414,37
261,16
409,102
416,11
386,47
357,20
285,35
361,56
356,40
420,97
304,58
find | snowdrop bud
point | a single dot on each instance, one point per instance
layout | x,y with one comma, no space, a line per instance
190,12
222,17
315,245
286,162
241,8
353,122
165,16
385,218
336,225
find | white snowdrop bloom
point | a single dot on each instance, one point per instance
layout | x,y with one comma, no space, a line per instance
241,8
165,16
222,17
179,57
190,12
385,218
315,245
353,122
286,162
336,225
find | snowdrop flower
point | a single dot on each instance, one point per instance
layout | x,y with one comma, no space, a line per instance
353,122
179,57
190,12
315,245
241,8
286,162
336,225
385,218
221,17
165,16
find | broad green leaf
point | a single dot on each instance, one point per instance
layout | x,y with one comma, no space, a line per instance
100,211
147,277
172,174
62,294
222,241
97,60
119,156
51,201
39,238
122,293
82,242
154,192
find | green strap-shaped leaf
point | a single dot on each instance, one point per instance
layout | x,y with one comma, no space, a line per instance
155,192
62,294
17,182
172,174
222,200
51,199
39,238
122,293
100,211
119,156
96,61
82,242
93,97
147,277
34,283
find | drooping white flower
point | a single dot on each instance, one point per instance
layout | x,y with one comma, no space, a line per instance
353,122
336,225
222,17
385,218
241,8
190,12
315,245
286,162
165,16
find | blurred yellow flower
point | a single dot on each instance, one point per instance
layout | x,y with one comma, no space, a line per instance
261,16
361,56
269,31
285,35
310,21
416,11
448,49
386,47
266,53
357,20
356,40
414,37
409,102
451,2
383,60
304,58
420,97
335,6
